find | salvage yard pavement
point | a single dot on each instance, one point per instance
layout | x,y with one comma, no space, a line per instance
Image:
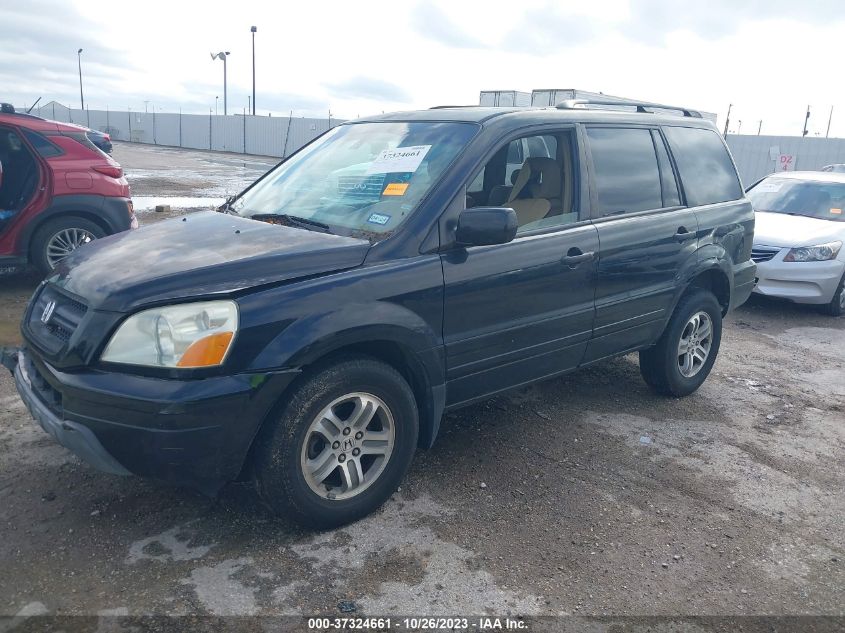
583,495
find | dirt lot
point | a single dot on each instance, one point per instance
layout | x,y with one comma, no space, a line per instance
583,495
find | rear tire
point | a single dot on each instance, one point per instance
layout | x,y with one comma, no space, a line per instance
836,307
684,355
320,461
62,235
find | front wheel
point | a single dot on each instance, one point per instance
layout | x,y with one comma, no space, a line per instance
836,307
341,444
684,355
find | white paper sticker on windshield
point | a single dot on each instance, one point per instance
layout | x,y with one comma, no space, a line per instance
773,186
399,160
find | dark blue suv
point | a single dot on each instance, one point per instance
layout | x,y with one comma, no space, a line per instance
312,333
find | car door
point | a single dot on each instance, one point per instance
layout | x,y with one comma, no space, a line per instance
645,236
518,312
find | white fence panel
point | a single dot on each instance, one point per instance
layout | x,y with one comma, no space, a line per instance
756,156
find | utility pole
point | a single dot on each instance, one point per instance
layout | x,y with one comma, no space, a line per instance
806,121
739,129
253,29
759,127
829,119
222,55
727,120
79,62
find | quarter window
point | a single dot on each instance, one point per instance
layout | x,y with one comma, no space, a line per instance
707,173
626,173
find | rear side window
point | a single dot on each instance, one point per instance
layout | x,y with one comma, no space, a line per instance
707,173
42,145
625,167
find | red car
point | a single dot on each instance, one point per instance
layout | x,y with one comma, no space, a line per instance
58,191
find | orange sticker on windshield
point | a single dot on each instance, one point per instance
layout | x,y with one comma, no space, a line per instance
836,211
395,189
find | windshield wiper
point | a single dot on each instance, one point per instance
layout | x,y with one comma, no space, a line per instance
293,220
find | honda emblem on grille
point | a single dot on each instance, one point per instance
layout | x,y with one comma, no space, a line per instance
48,312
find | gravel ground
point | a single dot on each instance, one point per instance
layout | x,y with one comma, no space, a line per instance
584,495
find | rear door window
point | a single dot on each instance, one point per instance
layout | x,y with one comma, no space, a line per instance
705,167
626,173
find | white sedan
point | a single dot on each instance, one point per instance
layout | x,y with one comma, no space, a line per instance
798,237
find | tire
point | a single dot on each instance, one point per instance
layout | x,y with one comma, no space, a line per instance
71,231
836,307
663,367
305,468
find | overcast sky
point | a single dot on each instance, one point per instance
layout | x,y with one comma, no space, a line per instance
770,58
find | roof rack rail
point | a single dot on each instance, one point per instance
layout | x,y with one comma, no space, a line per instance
641,106
444,107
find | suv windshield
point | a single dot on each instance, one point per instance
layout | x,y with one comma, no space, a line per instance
824,200
359,179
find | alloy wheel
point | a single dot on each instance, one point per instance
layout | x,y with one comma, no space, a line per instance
347,446
65,242
694,346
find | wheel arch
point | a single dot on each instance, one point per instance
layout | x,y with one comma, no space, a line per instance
59,210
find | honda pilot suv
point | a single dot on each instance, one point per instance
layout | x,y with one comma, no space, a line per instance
311,334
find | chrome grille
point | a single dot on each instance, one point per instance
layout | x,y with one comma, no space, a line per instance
761,254
53,333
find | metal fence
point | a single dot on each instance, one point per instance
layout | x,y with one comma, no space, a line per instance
757,156
264,136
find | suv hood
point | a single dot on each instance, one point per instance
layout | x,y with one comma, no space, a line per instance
199,255
780,229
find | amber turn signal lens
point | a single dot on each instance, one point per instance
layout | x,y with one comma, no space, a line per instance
207,351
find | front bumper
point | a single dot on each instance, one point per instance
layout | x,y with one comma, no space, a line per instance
801,282
194,433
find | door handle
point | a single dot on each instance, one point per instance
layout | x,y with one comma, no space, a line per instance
682,234
574,257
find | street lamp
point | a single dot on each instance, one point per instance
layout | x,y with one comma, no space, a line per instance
222,55
215,105
253,29
79,61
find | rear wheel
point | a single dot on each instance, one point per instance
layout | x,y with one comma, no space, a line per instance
341,444
59,238
684,355
836,307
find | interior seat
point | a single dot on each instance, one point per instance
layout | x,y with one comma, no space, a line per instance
537,190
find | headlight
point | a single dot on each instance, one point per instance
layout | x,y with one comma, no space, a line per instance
189,335
820,253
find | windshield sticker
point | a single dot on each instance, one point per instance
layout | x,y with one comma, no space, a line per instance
836,211
398,160
378,218
768,187
395,189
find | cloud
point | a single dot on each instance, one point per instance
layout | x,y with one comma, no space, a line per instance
432,23
369,88
546,30
652,20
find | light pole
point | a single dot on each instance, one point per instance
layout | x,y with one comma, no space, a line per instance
253,29
223,55
79,62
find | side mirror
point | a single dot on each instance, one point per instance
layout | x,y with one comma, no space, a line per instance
483,226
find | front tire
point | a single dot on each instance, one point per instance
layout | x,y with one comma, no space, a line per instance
340,445
684,355
836,307
59,238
